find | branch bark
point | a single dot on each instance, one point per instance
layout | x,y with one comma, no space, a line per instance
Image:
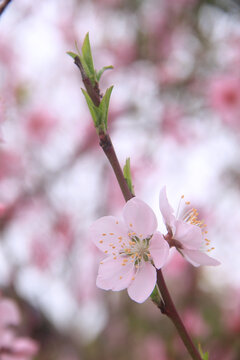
4,5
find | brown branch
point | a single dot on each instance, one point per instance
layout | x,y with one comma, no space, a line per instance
93,91
4,5
166,306
170,310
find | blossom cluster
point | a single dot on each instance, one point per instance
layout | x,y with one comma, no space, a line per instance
13,347
134,249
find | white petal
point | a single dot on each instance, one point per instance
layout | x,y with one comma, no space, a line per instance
190,236
112,275
166,209
197,258
107,232
139,217
141,288
159,250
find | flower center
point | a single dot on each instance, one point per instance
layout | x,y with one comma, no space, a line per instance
136,249
191,217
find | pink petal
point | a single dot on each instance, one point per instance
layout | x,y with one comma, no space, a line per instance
166,209
159,250
197,257
9,313
112,275
107,232
190,236
25,346
139,217
145,279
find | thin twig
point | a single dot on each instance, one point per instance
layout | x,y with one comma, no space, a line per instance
166,306
4,5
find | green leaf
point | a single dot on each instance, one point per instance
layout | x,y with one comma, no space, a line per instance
104,105
87,60
72,54
203,355
95,111
155,296
100,72
127,175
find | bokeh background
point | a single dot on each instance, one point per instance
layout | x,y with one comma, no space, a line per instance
175,111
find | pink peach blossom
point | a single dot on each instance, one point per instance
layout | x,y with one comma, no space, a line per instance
186,234
9,313
224,98
40,124
133,249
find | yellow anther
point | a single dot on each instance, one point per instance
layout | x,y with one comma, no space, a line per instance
104,234
182,197
133,278
113,247
106,251
141,235
111,233
120,237
101,241
120,277
116,222
131,225
123,264
115,257
187,202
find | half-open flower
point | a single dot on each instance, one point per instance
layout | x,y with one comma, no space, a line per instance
133,249
187,234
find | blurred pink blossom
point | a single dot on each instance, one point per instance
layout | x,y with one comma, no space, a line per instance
152,348
195,323
40,124
10,164
172,125
11,346
224,98
9,313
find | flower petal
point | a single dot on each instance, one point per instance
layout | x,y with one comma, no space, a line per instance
197,257
166,209
159,250
107,234
113,275
139,217
145,279
190,236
